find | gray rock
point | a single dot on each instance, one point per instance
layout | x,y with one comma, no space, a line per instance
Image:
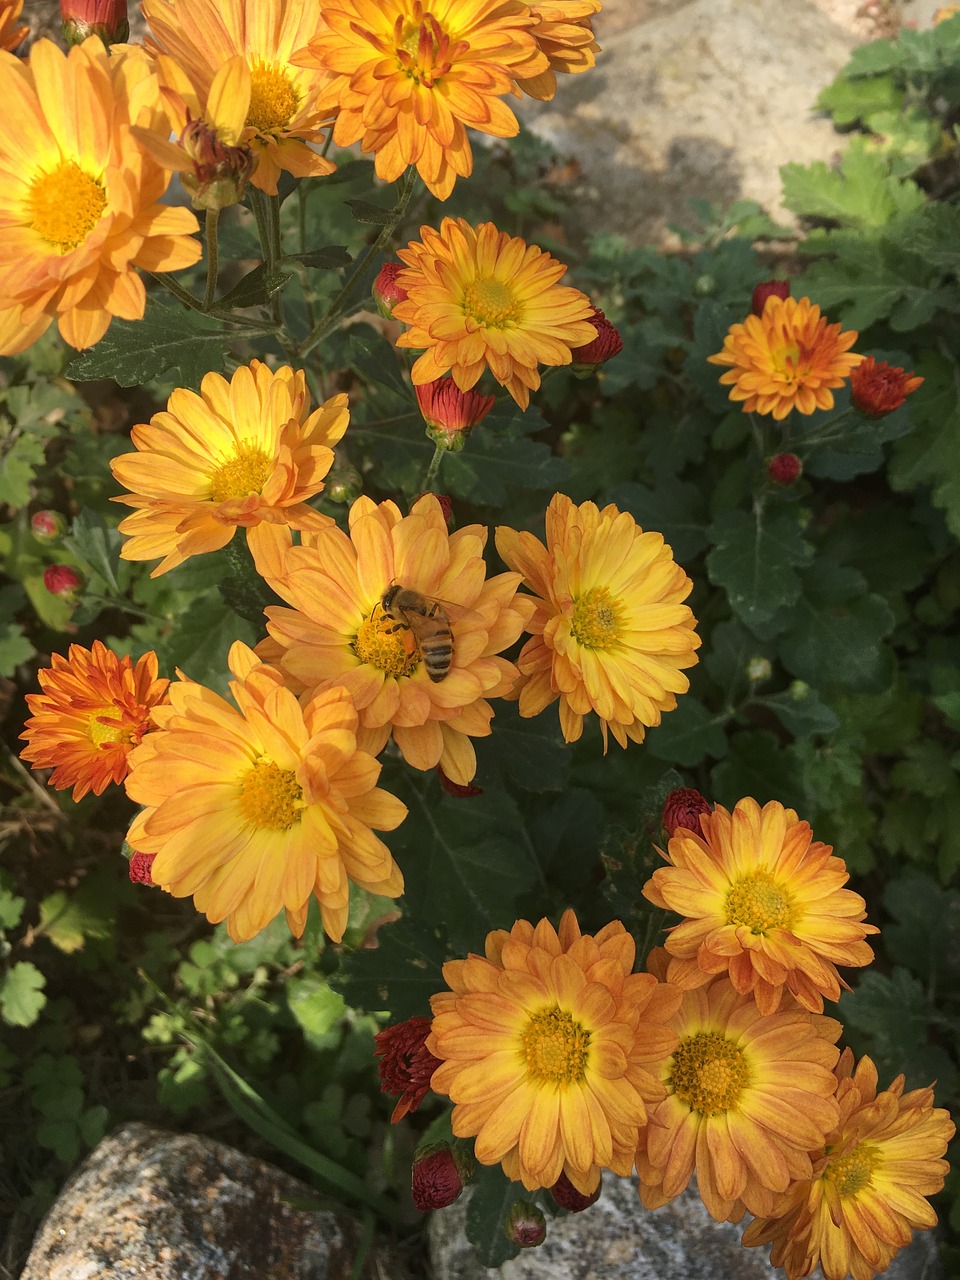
617,1239
152,1205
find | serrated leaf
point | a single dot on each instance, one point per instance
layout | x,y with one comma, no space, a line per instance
15,647
255,289
364,211
398,975
68,922
914,900
491,464
21,456
21,994
492,1196
931,454
849,101
861,193
688,734
675,508
757,765
802,716
134,352
755,558
200,642
97,547
11,909
331,258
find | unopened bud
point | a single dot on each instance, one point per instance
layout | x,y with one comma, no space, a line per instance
568,1197
344,484
446,506
104,18
62,581
438,1177
784,469
683,808
768,289
48,526
525,1226
759,669
799,690
220,171
386,292
451,414
607,344
140,868
459,790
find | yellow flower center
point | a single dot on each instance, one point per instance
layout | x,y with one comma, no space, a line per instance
246,472
491,303
596,619
271,797
424,50
852,1173
103,727
555,1048
786,360
274,100
760,903
709,1073
382,643
65,205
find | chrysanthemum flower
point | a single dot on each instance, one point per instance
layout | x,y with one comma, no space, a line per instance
787,358
867,1194
764,903
338,634
478,298
563,32
406,79
545,1047
610,633
405,1064
255,810
11,35
79,200
283,117
877,388
94,709
748,1096
239,454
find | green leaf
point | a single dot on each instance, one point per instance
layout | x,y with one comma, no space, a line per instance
97,547
15,647
364,211
492,1196
21,457
688,734
490,464
11,909
69,922
331,258
856,448
61,1137
915,900
873,281
398,975
802,712
675,508
255,289
850,101
134,352
755,559
931,454
861,193
200,642
756,765
317,1008
21,994
530,753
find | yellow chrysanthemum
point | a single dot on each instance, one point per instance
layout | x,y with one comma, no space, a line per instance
764,903
406,79
240,454
868,1191
94,709
10,34
563,32
748,1096
787,358
610,631
545,1049
283,117
255,810
338,634
478,298
79,200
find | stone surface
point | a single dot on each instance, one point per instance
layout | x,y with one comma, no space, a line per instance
151,1205
617,1239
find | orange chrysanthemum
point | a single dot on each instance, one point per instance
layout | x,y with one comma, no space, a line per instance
94,709
748,1096
255,810
406,79
545,1050
337,633
79,200
787,358
10,35
240,454
877,388
478,298
283,116
563,32
869,1186
610,631
764,903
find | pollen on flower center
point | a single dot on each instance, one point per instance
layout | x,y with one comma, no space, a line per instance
491,303
596,620
246,472
65,205
274,100
271,797
105,729
852,1173
760,903
709,1073
786,361
382,644
554,1047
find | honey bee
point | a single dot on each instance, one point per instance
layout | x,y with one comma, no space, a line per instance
429,622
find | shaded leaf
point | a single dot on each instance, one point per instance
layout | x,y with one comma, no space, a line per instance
755,558
134,352
399,974
688,734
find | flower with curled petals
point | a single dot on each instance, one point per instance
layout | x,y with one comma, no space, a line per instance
79,199
764,902
563,32
610,631
238,455
545,1047
748,1096
336,632
869,1187
255,809
94,709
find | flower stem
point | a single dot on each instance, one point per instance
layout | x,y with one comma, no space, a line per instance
178,291
433,469
213,257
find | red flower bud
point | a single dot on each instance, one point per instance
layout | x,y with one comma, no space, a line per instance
62,581
406,1064
683,808
768,289
607,344
450,413
104,18
784,469
446,506
568,1197
47,526
878,389
525,1225
438,1175
386,292
458,790
140,865
220,171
